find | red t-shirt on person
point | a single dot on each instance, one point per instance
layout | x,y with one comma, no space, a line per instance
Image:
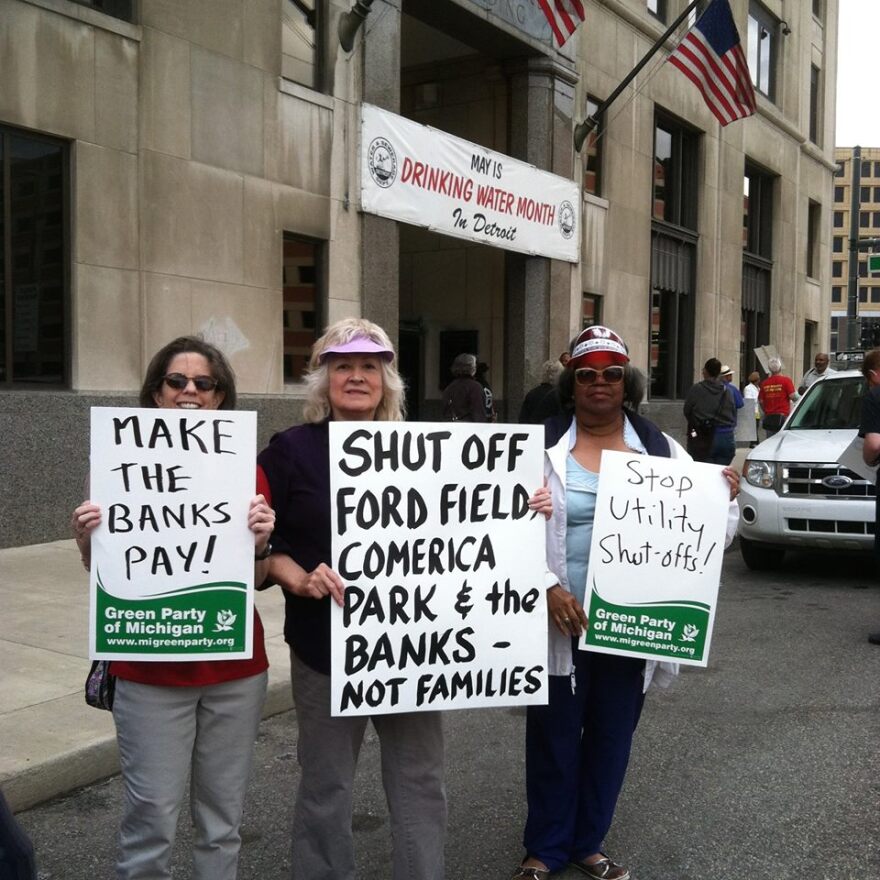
774,395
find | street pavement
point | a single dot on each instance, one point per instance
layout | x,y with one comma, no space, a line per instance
764,765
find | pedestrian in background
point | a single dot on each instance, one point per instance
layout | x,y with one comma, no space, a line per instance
819,369
729,442
709,405
750,392
776,396
869,430
463,398
198,718
534,403
482,376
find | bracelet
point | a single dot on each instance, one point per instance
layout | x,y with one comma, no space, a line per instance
265,554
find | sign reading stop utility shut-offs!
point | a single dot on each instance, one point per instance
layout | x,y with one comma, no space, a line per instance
655,558
173,560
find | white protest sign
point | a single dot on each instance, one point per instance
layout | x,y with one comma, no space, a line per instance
746,424
427,177
655,557
852,458
443,565
173,559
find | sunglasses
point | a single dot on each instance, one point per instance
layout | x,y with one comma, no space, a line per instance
587,376
178,382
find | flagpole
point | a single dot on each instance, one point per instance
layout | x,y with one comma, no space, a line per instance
582,129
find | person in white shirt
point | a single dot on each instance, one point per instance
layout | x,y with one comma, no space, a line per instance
750,392
819,369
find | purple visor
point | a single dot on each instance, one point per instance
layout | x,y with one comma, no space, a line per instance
358,345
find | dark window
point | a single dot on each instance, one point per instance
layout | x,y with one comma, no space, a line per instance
591,310
838,219
592,151
123,9
877,169
877,193
864,194
839,193
875,219
675,174
303,299
815,104
864,219
863,294
875,294
837,269
837,247
300,42
758,212
863,269
866,168
657,8
839,170
836,294
763,37
817,8
814,215
33,259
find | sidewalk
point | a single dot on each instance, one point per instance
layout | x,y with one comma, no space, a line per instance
50,741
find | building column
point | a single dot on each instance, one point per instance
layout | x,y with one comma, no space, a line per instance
380,240
537,289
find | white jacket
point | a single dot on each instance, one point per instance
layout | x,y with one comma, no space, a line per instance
559,660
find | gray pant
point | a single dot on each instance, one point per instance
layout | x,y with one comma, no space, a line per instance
412,774
163,733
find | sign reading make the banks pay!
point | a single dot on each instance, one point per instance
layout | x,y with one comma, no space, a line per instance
429,178
655,558
173,560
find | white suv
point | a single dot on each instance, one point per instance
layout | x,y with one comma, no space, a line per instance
794,492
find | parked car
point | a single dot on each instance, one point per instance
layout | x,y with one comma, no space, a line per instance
794,494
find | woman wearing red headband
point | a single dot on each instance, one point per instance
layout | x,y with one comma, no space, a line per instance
577,746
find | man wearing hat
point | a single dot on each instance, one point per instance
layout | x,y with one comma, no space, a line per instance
730,441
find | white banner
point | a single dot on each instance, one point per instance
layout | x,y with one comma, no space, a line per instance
172,571
443,566
429,178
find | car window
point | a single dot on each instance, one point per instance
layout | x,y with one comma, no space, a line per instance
835,403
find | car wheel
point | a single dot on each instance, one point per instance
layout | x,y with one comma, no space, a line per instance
760,557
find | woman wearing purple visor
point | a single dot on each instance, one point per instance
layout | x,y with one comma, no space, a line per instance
352,377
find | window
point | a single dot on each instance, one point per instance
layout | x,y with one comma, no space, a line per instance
123,9
839,170
300,44
877,193
758,212
875,294
863,294
302,302
877,169
591,310
864,219
762,46
875,219
837,247
837,269
814,215
863,269
593,154
817,8
657,8
675,174
866,168
839,193
34,310
836,294
864,194
815,104
838,219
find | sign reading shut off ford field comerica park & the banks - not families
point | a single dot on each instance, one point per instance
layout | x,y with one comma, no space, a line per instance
426,177
172,563
655,558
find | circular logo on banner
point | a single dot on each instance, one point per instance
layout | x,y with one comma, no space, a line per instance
382,162
566,219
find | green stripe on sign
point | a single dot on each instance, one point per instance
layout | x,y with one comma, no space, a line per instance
674,630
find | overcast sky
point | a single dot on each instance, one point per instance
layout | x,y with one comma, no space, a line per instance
858,106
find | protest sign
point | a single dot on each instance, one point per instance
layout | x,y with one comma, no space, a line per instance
443,566
746,430
173,559
655,558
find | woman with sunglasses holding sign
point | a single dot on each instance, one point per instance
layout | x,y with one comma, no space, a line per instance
577,746
198,718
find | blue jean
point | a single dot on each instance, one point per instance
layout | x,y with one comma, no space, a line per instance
723,447
577,751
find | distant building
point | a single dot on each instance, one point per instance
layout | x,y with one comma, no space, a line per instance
869,227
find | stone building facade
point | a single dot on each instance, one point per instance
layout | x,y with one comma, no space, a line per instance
174,167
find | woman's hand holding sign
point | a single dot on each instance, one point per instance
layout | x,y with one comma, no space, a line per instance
732,477
566,612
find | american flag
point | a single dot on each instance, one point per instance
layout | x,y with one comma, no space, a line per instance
564,17
711,56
